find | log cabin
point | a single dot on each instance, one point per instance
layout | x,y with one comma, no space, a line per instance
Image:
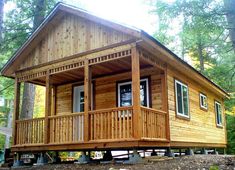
111,86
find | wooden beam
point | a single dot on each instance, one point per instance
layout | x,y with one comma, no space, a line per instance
165,102
54,93
135,64
152,60
16,109
87,98
47,108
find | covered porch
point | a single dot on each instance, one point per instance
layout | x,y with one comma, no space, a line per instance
92,118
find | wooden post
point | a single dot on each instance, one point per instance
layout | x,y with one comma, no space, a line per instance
87,100
47,108
135,64
165,101
16,110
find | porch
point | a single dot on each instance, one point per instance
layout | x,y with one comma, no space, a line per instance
98,124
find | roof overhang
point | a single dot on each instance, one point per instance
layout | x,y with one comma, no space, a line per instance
148,41
171,58
56,14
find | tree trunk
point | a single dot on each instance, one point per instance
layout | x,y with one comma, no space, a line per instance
29,89
200,53
39,12
1,20
229,6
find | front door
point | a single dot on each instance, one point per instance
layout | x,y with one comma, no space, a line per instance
78,99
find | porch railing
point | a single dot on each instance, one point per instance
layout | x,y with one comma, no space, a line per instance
106,124
115,123
29,131
66,128
154,123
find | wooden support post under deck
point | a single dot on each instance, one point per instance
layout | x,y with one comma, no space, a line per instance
137,123
87,103
16,109
47,108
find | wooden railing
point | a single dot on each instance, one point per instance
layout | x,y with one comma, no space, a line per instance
104,125
66,128
154,123
29,131
108,124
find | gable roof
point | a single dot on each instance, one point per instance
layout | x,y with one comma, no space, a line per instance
56,14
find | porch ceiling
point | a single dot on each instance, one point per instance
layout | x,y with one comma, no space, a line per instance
98,70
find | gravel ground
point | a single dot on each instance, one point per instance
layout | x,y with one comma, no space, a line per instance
196,162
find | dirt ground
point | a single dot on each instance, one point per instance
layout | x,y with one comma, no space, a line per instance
196,162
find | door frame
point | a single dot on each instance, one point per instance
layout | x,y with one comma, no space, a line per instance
82,86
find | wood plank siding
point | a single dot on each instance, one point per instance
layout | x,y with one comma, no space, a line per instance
105,91
201,126
72,35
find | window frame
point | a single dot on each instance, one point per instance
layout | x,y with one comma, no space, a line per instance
130,83
178,114
200,102
220,124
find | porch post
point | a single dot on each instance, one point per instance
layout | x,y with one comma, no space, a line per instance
87,101
135,64
16,110
47,108
165,101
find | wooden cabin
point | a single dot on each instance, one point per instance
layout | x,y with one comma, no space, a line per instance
109,86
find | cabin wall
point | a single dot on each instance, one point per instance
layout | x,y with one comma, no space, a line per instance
105,92
72,35
201,128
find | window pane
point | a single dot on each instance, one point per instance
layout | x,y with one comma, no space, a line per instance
82,96
82,107
143,93
125,95
179,98
185,99
202,101
220,114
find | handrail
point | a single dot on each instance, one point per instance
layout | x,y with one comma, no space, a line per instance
66,115
29,120
110,109
154,110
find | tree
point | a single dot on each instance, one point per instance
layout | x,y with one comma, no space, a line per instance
1,19
199,28
204,28
230,14
29,88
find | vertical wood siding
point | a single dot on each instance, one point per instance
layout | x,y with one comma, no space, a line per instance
72,35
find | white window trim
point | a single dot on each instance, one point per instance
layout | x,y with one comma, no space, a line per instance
221,121
181,114
130,82
204,96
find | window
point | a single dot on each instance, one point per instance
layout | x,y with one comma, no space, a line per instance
125,93
182,101
218,112
203,101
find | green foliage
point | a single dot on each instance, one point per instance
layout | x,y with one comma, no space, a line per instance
214,167
230,120
200,29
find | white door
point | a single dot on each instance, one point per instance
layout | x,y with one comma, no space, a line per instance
78,106
78,99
